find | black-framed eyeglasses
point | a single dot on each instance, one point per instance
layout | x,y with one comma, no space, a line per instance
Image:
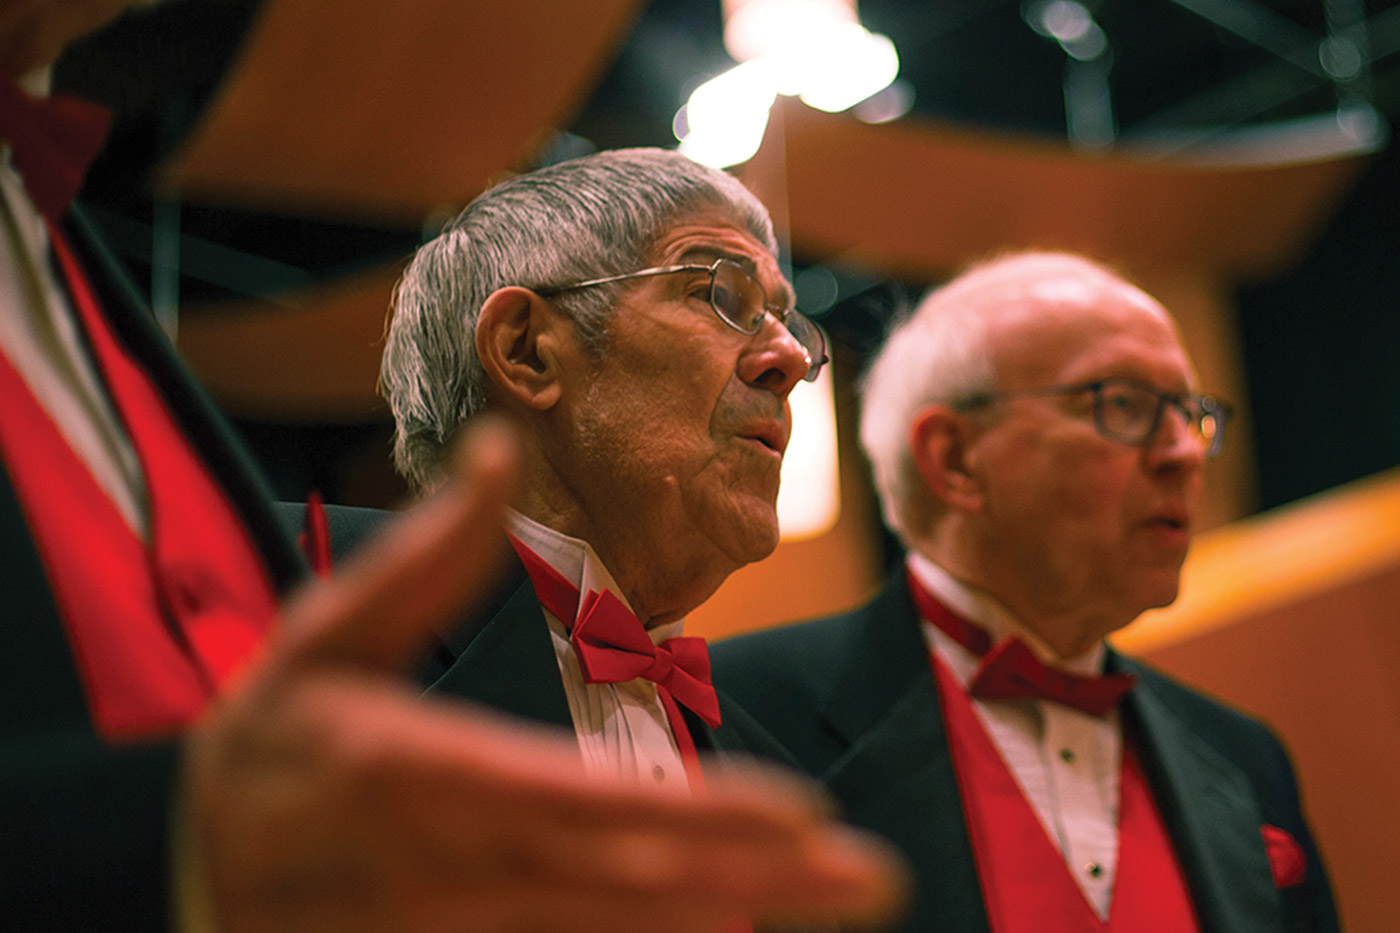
738,299
1130,412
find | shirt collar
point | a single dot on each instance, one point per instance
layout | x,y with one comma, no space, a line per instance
983,610
37,83
578,563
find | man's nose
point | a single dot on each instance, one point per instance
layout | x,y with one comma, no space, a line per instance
1176,442
773,359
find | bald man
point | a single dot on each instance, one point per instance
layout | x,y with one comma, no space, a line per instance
1038,443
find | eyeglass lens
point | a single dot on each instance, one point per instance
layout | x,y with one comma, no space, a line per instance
1132,413
740,299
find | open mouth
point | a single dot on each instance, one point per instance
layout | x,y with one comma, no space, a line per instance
771,437
1175,527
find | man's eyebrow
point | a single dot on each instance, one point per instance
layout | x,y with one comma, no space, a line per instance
706,255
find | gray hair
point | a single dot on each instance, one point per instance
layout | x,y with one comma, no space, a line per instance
590,217
939,355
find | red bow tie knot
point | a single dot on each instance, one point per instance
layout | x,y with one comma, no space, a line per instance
52,142
613,646
1011,671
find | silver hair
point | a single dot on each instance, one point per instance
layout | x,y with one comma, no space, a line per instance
938,355
590,217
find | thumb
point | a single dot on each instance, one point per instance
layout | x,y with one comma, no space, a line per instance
375,612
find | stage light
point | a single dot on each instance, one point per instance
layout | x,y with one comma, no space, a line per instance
848,66
813,49
755,28
725,117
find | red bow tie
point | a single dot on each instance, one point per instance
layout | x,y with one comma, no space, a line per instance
613,646
52,141
1010,670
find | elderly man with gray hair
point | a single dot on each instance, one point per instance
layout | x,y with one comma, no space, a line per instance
626,312
191,738
1038,443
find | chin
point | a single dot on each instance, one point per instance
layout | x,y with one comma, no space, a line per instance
762,540
736,514
1160,594
751,535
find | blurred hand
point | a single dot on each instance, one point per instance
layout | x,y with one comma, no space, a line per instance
324,794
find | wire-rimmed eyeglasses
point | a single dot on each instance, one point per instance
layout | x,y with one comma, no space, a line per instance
738,299
1130,412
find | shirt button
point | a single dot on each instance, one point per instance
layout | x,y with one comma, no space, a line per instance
659,773
1067,755
1094,869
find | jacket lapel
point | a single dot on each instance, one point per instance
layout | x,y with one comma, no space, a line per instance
39,681
509,664
896,776
222,453
739,734
1211,813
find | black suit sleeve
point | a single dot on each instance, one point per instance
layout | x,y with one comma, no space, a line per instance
84,834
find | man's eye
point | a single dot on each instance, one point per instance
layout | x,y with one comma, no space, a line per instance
723,297
1130,402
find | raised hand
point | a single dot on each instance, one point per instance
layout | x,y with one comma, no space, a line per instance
324,794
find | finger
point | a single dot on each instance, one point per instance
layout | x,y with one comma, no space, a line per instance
398,792
430,764
376,611
817,871
514,905
467,786
440,750
523,905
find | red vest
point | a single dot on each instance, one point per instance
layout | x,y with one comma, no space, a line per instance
1025,881
155,626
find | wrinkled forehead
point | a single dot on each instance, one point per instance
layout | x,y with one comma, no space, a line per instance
702,237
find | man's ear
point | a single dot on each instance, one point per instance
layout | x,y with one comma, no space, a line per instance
518,339
940,440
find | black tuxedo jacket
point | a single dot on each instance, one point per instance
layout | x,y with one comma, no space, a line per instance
500,654
85,825
853,699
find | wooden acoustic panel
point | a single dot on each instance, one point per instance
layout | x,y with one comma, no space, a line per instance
388,110
312,357
920,199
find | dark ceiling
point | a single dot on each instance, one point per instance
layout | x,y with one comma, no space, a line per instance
1173,64
1318,344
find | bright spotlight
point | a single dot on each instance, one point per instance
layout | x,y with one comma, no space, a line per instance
847,66
815,49
755,28
726,116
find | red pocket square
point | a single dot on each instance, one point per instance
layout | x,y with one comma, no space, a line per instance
1286,858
